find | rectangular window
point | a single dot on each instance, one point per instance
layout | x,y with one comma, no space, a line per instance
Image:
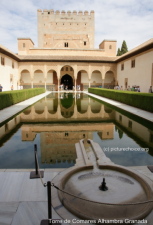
120,118
23,45
12,64
151,138
85,43
122,66
2,61
133,63
130,124
66,44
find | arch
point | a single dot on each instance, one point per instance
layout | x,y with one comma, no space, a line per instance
82,104
25,79
51,80
82,80
67,114
27,111
67,82
67,105
107,109
95,106
109,80
38,79
67,101
96,79
52,103
39,107
67,77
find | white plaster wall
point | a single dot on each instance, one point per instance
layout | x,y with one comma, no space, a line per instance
96,76
25,76
109,77
6,71
140,75
49,77
144,133
84,78
38,76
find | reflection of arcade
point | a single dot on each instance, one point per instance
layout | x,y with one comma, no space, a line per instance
58,141
69,106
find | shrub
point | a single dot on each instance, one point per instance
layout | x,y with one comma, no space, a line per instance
137,99
8,98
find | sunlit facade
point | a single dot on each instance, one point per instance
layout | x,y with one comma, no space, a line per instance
66,59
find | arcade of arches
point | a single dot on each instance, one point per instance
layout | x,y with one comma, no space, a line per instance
67,77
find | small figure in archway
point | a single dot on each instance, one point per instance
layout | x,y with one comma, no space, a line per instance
1,88
150,89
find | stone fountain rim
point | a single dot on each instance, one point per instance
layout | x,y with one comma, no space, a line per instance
145,184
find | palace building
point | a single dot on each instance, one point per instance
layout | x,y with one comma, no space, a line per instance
66,58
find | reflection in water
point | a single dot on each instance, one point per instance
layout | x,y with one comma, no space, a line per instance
120,132
67,101
59,121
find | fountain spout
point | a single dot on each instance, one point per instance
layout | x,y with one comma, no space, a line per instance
103,186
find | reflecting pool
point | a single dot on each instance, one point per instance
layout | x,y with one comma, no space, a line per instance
60,120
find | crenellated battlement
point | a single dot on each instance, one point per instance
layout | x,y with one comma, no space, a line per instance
63,12
65,29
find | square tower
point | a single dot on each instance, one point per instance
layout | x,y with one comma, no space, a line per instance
73,30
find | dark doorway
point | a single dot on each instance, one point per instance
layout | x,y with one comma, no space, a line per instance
67,82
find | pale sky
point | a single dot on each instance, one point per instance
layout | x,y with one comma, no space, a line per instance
129,20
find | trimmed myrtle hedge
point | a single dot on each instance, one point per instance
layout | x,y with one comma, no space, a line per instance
137,99
8,98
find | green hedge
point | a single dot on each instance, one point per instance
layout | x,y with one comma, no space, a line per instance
137,99
8,98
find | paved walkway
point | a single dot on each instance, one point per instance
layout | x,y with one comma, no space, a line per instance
10,111
138,112
23,201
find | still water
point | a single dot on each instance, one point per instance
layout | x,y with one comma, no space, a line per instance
58,121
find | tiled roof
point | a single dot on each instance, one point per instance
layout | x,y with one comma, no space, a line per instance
66,58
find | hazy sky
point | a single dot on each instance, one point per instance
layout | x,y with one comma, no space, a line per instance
129,20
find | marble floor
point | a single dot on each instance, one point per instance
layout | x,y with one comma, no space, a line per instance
24,200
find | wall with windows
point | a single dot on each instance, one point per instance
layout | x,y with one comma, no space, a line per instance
136,71
137,129
61,29
8,72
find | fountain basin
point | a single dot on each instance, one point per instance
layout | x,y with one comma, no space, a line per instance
127,195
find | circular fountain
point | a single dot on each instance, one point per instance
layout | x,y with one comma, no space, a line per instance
106,192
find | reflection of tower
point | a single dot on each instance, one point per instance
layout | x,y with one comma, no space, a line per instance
107,132
28,134
60,146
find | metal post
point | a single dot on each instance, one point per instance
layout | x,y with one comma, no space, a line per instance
50,220
36,164
35,174
49,200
